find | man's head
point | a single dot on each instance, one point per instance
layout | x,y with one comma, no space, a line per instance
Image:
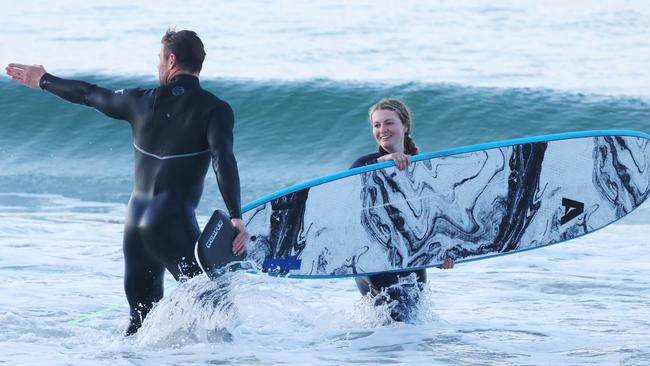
181,53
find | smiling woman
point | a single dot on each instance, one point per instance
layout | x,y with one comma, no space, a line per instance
391,127
391,122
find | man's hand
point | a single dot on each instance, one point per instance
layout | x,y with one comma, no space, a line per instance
26,74
240,242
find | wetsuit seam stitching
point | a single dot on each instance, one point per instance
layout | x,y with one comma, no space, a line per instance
159,157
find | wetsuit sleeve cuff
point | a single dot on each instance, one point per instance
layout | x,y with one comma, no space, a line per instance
46,79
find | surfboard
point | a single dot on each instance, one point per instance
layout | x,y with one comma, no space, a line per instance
468,203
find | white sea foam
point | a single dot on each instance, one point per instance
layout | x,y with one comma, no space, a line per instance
578,302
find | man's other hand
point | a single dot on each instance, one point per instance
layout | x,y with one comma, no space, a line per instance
240,242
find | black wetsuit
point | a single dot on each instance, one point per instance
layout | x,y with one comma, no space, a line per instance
177,129
383,283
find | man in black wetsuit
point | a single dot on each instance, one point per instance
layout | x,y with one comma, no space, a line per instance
178,128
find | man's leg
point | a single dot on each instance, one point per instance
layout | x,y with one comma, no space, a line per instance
143,279
172,239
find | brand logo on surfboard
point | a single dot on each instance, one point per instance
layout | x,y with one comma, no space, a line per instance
214,234
571,210
282,264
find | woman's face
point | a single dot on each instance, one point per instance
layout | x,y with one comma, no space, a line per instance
388,130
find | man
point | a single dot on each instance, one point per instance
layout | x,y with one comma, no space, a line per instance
177,128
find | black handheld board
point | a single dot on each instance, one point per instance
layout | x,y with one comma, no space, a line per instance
213,250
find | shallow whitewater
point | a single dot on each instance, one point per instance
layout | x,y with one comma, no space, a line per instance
61,303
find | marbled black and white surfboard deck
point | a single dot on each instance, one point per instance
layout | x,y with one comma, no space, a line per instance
466,204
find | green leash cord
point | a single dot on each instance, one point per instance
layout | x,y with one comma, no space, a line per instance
99,312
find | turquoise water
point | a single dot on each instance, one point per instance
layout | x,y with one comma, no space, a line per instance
286,131
300,77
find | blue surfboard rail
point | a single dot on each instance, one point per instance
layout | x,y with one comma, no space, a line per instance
440,153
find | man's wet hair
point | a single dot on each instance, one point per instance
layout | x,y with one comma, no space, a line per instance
187,47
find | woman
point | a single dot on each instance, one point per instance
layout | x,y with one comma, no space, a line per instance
391,128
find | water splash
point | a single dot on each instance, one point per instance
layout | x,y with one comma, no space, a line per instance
199,310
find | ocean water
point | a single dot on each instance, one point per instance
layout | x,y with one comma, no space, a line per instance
300,77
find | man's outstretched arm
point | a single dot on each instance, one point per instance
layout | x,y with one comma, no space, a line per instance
225,168
113,104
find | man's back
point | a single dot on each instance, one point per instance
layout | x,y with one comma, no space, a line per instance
177,129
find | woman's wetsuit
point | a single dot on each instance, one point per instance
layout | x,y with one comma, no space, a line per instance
384,282
177,129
